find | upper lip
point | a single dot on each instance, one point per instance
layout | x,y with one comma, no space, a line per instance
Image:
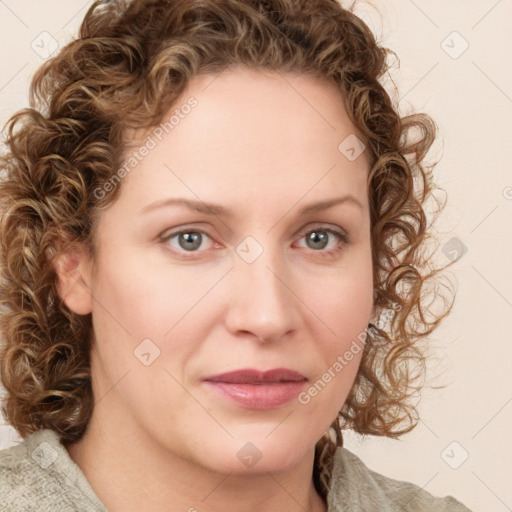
251,376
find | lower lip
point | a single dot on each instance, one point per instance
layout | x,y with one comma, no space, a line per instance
259,396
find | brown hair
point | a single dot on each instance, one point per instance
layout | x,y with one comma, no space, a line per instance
129,64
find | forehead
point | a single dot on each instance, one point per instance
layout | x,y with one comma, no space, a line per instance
251,132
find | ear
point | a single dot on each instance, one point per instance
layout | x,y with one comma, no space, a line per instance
74,280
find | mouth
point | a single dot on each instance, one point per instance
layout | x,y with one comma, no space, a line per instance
253,389
255,377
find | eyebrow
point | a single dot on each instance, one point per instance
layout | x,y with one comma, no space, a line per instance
216,209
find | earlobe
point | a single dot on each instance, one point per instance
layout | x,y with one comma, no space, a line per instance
73,284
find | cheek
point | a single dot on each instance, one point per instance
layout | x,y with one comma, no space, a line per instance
145,297
340,357
147,313
342,310
342,301
326,394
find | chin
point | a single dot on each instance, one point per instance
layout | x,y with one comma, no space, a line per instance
255,455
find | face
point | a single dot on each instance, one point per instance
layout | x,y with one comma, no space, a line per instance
262,280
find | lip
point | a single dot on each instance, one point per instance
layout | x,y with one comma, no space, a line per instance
251,376
254,389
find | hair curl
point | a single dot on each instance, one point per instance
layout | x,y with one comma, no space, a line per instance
128,65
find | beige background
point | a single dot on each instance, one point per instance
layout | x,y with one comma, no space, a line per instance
462,445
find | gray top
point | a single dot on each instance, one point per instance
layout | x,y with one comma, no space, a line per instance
38,474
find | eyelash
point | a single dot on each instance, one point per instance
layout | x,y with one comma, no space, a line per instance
342,236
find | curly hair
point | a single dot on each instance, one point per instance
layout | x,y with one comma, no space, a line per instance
127,67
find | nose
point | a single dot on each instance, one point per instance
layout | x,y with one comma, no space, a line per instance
261,301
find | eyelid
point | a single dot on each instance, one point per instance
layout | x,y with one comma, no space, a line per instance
340,232
168,234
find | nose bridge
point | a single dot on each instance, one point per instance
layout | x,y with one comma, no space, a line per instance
261,303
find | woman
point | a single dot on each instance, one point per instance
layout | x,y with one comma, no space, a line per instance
213,261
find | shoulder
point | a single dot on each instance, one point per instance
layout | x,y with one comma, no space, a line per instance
356,487
38,474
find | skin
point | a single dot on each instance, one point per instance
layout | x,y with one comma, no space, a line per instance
263,145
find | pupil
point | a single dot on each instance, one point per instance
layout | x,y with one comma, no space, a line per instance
318,238
190,238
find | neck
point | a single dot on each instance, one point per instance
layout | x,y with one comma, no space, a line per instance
128,470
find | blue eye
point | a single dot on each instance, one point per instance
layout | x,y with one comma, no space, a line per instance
188,240
318,238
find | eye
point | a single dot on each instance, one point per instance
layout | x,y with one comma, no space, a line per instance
317,239
187,240
321,236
